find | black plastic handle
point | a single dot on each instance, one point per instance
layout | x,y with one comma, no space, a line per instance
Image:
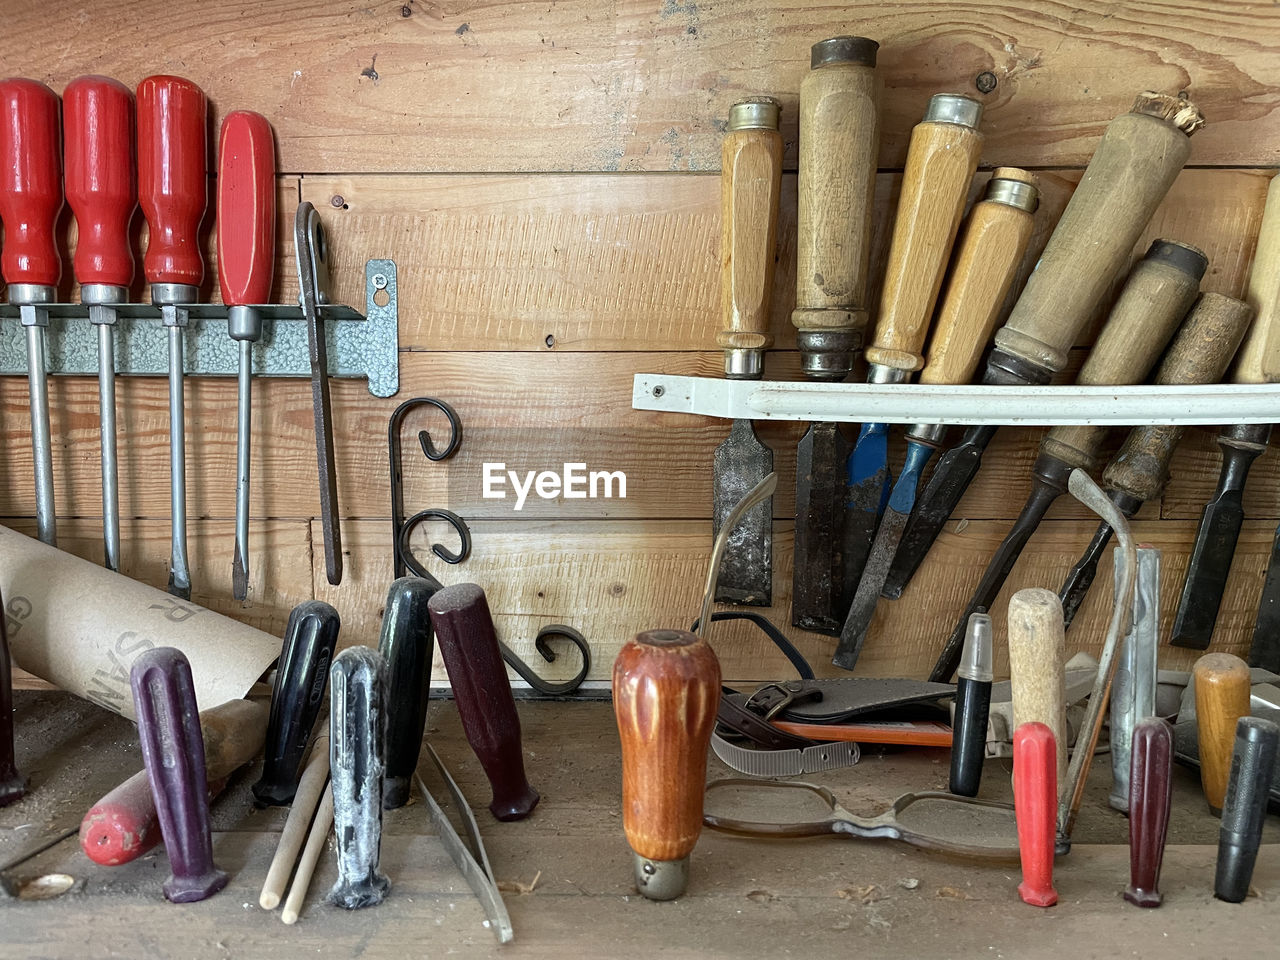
407,643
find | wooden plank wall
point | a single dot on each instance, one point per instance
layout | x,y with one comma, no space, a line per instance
545,176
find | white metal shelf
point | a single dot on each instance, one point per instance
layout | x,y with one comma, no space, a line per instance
959,405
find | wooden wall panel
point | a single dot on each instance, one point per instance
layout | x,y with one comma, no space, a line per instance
411,85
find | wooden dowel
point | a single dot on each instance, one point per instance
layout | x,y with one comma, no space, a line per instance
310,856
314,779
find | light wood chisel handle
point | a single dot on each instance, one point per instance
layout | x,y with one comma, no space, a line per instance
1157,294
839,148
941,161
1036,675
1222,698
1259,358
750,188
990,249
1131,171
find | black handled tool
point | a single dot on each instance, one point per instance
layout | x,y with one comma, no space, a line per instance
406,645
973,705
1240,835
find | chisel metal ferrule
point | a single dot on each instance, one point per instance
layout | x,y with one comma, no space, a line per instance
101,299
30,298
845,49
167,296
1013,193
953,108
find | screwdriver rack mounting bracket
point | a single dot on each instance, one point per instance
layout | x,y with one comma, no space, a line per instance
360,345
957,405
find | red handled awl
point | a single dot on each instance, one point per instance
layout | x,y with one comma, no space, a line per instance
1035,803
246,266
172,174
30,199
97,115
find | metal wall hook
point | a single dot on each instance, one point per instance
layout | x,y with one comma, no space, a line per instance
404,553
402,556
547,687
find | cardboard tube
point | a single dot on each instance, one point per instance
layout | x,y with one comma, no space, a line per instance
79,626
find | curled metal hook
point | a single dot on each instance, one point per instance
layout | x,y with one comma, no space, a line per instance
401,555
404,553
547,687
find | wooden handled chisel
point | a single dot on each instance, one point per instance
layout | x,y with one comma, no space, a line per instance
839,147
990,250
1155,298
941,160
1132,169
1200,353
751,184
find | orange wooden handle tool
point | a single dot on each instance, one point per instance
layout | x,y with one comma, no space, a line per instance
1222,698
666,689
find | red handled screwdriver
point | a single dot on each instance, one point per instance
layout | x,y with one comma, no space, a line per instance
98,116
172,188
246,264
30,199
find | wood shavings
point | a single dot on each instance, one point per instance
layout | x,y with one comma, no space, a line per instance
515,886
867,894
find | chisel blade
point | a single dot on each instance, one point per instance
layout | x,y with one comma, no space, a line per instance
1076,587
1207,573
746,572
888,536
1265,649
955,471
820,463
866,493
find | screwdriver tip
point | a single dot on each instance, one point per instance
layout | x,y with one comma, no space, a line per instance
239,577
180,590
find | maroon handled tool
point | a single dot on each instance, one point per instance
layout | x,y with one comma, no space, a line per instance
469,645
1150,799
173,752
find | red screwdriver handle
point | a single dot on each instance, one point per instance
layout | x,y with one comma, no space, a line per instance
97,113
30,182
1035,805
172,172
246,208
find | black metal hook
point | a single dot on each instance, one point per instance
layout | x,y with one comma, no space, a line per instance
404,553
547,687
401,555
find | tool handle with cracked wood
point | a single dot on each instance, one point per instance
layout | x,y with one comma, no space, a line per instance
1037,677
1200,353
31,184
1156,296
172,177
839,149
468,645
1130,172
122,826
666,691
941,160
246,209
1222,697
990,249
97,115
750,193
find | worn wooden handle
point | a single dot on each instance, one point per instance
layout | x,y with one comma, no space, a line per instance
750,188
1130,172
1222,698
1156,296
839,147
1200,353
990,249
941,161
1036,675
666,687
1259,357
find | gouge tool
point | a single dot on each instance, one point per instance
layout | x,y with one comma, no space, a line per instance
246,267
751,184
313,284
990,251
1201,351
172,175
839,147
98,119
30,200
1132,169
1155,298
941,160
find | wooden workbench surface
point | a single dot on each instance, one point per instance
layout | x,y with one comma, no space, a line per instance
817,898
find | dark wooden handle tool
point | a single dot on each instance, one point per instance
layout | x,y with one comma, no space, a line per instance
1200,353
839,150
469,646
302,672
1150,802
1222,698
1253,759
666,688
357,719
750,191
164,697
406,645
1130,172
